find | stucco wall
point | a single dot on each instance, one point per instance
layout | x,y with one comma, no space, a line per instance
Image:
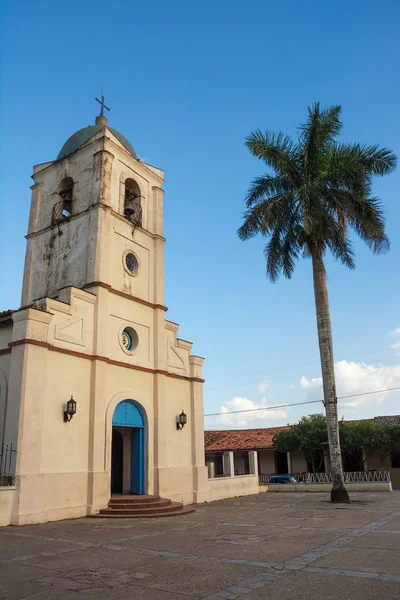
378,462
383,463
231,487
299,463
267,461
7,496
4,377
5,334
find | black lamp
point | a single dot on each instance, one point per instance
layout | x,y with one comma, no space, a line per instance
181,421
71,410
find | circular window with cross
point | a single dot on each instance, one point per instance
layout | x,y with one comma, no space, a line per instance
128,339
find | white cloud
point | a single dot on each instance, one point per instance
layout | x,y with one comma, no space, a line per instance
394,332
246,419
263,386
306,384
396,347
356,378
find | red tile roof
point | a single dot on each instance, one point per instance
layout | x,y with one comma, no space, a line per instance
259,439
240,439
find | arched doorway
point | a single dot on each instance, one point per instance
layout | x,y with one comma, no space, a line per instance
129,428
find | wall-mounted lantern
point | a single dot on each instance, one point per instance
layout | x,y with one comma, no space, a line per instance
71,410
181,421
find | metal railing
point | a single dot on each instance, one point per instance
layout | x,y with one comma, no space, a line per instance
349,477
8,456
133,212
60,212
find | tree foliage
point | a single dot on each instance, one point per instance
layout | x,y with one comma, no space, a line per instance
308,435
358,439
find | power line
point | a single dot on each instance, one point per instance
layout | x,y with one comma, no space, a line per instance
367,393
235,412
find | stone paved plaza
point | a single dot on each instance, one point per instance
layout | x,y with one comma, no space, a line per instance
276,546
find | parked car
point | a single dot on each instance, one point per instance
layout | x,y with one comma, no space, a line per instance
282,479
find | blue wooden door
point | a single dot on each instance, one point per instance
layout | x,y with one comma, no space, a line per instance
137,461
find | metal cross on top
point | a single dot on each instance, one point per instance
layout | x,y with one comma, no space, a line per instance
101,102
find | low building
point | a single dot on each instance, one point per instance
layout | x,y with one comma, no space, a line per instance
227,454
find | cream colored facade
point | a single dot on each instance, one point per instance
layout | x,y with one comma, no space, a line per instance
78,297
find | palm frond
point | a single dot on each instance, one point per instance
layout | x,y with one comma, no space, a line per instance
273,256
266,185
318,192
319,131
291,248
284,247
340,246
263,217
369,223
278,151
377,161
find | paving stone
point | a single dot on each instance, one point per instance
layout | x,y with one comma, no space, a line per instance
82,558
272,545
379,540
14,546
363,559
197,578
318,586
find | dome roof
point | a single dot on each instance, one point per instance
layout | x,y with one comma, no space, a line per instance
83,135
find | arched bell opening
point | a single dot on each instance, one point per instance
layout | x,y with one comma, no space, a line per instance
133,202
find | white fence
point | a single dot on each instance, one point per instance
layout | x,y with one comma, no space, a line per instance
350,477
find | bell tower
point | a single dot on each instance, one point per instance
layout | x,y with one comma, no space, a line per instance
96,218
92,327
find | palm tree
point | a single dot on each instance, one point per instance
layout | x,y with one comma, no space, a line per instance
316,192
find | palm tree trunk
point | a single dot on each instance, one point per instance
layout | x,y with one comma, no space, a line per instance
339,492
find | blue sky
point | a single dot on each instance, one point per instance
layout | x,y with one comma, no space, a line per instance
186,83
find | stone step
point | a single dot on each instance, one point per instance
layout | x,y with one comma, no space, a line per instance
184,510
131,499
146,506
133,505
142,510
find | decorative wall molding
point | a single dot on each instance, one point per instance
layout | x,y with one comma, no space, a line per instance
71,330
124,294
106,359
174,359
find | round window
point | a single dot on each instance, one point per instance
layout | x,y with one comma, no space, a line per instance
129,339
131,263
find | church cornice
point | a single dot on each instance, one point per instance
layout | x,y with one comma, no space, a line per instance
124,294
154,236
105,359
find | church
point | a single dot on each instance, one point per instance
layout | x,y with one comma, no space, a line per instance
98,394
